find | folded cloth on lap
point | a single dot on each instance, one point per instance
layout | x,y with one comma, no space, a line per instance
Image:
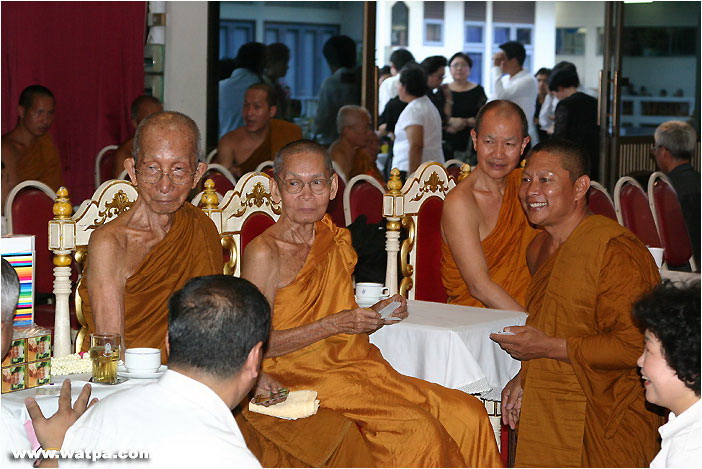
298,405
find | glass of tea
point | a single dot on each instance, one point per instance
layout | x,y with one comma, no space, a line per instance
104,353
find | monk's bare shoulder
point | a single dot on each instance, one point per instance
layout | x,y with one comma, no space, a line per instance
108,240
460,204
261,263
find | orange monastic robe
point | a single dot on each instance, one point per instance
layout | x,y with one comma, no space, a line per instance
406,422
589,412
191,248
362,164
41,162
504,249
280,134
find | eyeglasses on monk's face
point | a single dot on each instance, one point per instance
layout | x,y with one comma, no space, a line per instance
318,186
152,173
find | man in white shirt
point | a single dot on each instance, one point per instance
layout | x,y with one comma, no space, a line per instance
670,369
389,87
216,328
512,82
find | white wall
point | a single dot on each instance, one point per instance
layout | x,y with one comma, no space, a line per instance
185,77
544,35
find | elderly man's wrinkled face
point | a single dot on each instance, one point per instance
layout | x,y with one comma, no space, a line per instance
547,193
357,133
305,187
256,111
37,118
500,143
166,170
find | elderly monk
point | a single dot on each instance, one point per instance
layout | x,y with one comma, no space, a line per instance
261,136
578,391
28,150
142,107
350,151
303,265
138,259
484,230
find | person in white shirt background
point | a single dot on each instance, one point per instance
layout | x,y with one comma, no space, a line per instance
513,83
388,88
670,369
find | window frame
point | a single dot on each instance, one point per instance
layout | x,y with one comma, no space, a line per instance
433,21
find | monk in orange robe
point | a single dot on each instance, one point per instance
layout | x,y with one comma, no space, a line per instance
303,264
142,107
484,230
261,136
28,151
352,151
578,399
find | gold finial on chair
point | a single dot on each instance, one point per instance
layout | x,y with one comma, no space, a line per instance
465,172
522,163
394,183
209,198
62,205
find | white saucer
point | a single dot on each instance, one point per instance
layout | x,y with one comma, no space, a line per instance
122,371
368,302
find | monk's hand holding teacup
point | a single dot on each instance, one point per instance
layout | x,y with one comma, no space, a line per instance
356,321
400,312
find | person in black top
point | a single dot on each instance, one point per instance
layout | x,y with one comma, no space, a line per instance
674,145
464,101
576,115
542,76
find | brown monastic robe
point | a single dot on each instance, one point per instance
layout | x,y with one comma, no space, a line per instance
41,162
280,134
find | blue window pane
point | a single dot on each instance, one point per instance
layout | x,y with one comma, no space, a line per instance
474,34
501,35
476,72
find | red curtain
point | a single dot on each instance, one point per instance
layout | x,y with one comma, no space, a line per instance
91,56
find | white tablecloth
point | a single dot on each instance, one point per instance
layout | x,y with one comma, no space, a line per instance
450,345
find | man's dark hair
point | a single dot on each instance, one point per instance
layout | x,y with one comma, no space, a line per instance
543,71
461,55
565,78
277,52
413,78
140,101
514,50
251,56
340,51
401,57
384,70
672,314
300,146
28,94
214,322
504,107
270,92
564,65
10,292
574,158
433,63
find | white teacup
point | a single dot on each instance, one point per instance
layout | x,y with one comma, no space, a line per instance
371,290
657,254
142,360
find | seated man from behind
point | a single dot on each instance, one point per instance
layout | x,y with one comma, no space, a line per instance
578,396
349,152
28,151
674,147
136,261
485,233
243,149
216,329
142,107
670,368
319,340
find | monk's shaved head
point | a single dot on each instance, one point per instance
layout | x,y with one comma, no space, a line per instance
270,92
298,147
143,106
572,156
28,94
169,120
503,109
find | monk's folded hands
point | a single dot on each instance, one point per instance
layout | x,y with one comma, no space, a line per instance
529,343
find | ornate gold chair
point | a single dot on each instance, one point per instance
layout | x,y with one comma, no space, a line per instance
69,236
416,206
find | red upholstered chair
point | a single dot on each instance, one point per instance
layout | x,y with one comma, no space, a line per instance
211,156
453,168
633,211
670,222
363,196
336,205
104,164
221,176
417,206
600,202
262,167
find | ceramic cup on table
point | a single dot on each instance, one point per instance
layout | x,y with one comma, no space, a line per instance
142,360
657,254
369,291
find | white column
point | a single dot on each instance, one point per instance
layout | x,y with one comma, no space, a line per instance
487,51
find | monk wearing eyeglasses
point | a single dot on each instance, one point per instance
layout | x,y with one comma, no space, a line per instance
319,340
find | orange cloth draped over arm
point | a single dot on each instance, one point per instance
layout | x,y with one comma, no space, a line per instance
362,164
191,248
504,250
280,134
590,412
406,422
41,162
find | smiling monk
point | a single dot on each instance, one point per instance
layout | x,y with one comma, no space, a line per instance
319,340
484,230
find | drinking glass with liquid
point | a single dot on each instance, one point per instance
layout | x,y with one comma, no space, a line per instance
104,353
